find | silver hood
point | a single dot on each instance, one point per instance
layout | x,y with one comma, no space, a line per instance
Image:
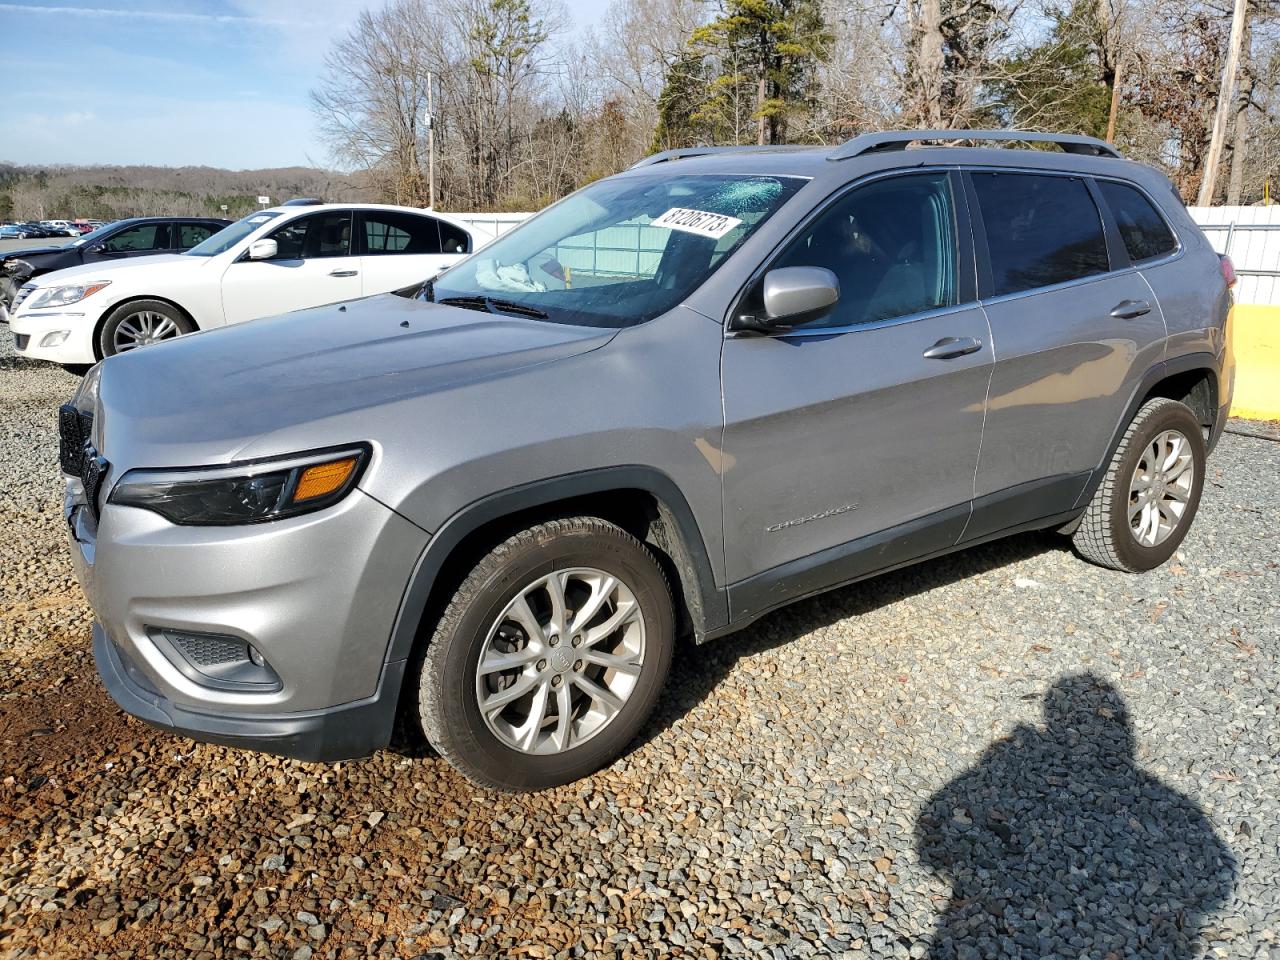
309,379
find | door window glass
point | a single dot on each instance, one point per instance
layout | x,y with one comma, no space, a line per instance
389,232
1040,230
453,239
313,237
891,243
1143,230
145,236
189,234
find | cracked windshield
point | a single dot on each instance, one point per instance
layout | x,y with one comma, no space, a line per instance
619,252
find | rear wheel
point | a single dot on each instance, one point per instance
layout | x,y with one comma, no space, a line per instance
550,656
1142,511
140,324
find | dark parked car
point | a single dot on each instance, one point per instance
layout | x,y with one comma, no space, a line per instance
135,237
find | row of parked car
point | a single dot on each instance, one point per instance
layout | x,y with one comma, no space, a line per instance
44,229
147,279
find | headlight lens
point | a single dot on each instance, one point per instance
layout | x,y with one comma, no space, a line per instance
86,398
248,492
66,295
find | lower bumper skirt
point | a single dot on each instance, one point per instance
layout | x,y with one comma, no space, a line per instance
343,732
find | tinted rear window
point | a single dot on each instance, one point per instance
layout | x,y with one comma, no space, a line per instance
389,231
1040,230
1143,230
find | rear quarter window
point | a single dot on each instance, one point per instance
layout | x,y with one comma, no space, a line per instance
1040,230
1144,232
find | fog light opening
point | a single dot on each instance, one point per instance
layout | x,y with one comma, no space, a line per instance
55,338
217,661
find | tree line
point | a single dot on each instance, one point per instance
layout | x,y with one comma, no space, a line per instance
524,109
114,192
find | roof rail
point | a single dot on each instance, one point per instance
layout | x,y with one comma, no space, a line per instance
898,140
302,202
681,153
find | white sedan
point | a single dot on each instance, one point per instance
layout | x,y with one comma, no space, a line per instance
301,254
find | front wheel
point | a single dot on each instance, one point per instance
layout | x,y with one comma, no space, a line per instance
140,324
1144,507
550,656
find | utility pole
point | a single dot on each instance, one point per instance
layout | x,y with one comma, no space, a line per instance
762,124
431,144
1115,102
1226,97
1110,17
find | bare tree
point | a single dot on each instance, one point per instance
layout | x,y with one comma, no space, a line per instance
372,97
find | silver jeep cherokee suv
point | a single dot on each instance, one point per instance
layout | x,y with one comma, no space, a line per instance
681,397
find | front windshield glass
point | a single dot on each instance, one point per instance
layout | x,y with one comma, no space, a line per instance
618,252
229,236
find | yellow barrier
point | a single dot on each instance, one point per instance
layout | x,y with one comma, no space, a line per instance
1256,339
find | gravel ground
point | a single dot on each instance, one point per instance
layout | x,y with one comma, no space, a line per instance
1003,753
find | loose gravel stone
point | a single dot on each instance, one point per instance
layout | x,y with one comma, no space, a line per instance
1006,752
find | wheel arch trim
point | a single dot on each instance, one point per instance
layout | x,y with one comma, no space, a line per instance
1172,367
709,608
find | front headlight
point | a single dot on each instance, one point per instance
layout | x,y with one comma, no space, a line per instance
65,295
249,492
86,398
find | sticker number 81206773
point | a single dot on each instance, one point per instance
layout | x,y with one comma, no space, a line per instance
701,222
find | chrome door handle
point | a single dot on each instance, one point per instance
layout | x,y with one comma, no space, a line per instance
1129,309
948,348
342,273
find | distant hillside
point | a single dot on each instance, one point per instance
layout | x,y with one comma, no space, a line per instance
112,192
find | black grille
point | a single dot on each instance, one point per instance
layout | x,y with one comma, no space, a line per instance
205,650
20,340
74,430
76,455
23,292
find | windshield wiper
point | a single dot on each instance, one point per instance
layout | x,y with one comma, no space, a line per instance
494,305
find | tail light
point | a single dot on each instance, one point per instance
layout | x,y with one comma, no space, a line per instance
1228,269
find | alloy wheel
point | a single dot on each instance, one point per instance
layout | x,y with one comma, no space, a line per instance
1161,487
141,329
560,661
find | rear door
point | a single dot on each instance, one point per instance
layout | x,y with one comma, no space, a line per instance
850,444
313,265
1074,326
193,232
398,248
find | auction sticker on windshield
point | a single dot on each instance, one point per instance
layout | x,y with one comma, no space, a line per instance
701,222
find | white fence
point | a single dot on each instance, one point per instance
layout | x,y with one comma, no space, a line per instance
490,226
1250,236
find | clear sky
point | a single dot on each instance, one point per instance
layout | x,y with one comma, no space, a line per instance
222,83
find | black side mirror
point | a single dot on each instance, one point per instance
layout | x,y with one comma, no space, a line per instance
790,296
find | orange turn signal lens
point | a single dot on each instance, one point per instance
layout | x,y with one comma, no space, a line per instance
323,478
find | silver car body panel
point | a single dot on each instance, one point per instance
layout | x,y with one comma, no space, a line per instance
789,463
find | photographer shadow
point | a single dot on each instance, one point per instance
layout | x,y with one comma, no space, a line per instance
1055,843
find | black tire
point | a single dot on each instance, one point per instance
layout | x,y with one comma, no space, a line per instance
447,702
1104,536
107,346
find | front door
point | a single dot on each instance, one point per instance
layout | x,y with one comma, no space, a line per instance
140,240
313,266
850,444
